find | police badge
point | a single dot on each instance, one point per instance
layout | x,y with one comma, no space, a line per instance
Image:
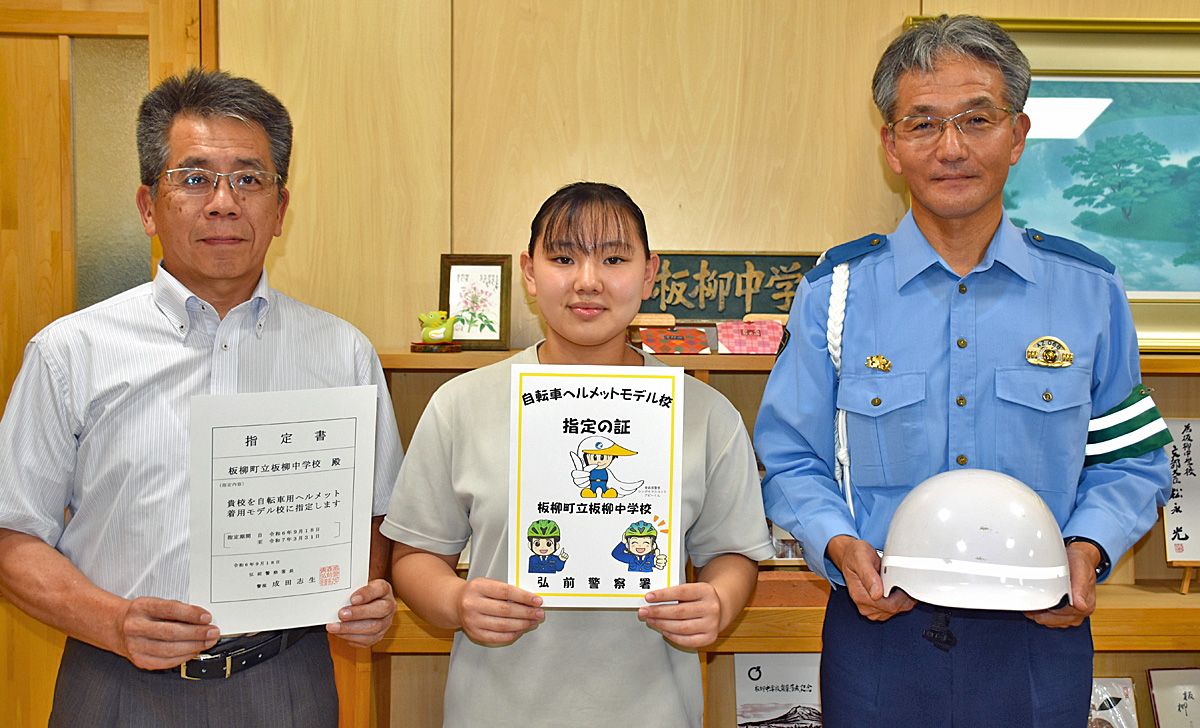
1048,351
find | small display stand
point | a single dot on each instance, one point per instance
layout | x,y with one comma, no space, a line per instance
421,347
1187,574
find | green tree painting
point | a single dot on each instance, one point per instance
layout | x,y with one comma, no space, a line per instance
1122,172
1128,186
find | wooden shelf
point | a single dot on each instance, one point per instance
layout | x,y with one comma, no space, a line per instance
788,609
403,360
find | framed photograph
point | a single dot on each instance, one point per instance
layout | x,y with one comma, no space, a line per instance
1173,694
1113,160
477,291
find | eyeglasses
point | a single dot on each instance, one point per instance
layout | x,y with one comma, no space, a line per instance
202,182
972,124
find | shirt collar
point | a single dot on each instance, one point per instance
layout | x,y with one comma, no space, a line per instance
913,253
261,300
172,299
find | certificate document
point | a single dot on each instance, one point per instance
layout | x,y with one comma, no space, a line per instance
594,483
282,485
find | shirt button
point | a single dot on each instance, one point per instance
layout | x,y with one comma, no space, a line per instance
225,347
1047,396
962,287
961,459
961,401
962,343
875,402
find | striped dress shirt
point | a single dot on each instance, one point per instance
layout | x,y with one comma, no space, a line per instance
98,420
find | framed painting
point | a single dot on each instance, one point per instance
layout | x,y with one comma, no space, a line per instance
1113,158
477,291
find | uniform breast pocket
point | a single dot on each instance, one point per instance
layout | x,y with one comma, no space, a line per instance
1041,424
885,423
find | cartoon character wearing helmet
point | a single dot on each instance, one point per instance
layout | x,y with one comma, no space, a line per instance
639,548
592,460
544,536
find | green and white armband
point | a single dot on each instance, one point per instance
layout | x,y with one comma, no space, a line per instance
1132,428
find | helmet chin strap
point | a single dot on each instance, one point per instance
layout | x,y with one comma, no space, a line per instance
938,632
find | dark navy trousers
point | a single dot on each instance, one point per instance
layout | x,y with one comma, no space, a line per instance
1004,671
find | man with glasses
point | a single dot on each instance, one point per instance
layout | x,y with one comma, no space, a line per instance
958,341
97,424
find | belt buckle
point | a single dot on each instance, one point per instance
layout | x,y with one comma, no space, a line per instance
183,668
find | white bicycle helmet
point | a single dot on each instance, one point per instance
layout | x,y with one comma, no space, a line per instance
976,539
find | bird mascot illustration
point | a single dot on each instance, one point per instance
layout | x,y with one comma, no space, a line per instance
593,459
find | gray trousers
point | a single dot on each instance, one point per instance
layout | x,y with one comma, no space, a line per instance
294,689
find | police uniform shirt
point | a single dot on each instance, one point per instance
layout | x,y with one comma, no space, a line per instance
935,376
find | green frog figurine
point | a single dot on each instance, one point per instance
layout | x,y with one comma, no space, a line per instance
437,327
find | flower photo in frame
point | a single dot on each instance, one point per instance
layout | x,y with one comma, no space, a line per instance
477,290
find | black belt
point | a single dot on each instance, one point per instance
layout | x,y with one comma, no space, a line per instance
240,654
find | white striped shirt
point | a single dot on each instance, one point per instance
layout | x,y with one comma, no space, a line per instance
98,419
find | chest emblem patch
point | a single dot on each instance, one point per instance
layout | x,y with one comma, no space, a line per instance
1048,351
880,362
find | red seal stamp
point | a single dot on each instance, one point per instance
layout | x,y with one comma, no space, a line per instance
330,575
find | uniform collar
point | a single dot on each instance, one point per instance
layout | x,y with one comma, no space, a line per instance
172,299
913,253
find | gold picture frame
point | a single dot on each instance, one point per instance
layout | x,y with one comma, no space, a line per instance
1166,322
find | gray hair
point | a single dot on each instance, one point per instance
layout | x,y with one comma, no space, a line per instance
208,94
922,46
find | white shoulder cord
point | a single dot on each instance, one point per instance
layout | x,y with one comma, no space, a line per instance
838,293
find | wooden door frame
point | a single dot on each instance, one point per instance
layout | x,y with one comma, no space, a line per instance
182,34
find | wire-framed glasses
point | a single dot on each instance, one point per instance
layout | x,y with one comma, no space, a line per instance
203,182
977,123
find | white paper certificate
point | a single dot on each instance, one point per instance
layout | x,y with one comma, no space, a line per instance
594,483
282,486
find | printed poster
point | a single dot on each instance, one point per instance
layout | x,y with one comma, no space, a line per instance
282,484
1181,514
778,690
594,483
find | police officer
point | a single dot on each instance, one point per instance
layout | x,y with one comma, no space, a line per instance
958,341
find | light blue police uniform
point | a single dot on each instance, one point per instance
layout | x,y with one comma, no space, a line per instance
960,393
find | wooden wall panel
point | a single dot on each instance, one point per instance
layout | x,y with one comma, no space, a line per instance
36,281
369,92
734,125
174,37
29,655
37,285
